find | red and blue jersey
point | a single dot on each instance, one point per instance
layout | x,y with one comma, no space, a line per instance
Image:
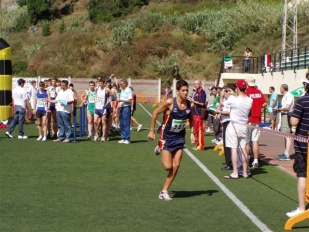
174,123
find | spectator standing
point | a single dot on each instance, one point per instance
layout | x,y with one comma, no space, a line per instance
32,95
64,101
19,95
216,119
255,117
197,103
287,104
228,91
273,103
300,119
133,109
237,130
248,55
172,133
125,101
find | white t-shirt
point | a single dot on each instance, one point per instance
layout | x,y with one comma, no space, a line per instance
66,95
288,99
19,95
239,108
32,92
125,94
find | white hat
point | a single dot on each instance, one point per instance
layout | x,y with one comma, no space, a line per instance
250,80
220,86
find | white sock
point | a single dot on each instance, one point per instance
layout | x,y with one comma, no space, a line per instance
255,161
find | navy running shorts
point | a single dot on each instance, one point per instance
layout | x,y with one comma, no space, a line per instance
40,113
172,145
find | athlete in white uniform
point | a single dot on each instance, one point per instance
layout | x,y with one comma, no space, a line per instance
101,113
52,92
32,94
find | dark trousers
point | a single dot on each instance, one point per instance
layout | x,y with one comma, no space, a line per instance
217,128
227,150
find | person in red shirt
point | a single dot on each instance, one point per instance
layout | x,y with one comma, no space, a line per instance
197,100
255,117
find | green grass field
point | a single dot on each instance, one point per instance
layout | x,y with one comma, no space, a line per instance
95,186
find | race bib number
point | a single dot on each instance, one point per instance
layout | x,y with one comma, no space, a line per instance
40,102
100,102
53,94
91,99
178,125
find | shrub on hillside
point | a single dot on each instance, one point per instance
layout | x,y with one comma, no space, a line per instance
62,27
106,10
10,18
46,28
123,33
151,22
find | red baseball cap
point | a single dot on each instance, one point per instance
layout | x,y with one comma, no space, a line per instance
241,84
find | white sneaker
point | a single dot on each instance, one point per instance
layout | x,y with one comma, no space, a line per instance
219,142
215,141
44,138
22,137
295,212
139,127
164,196
39,138
121,141
126,142
103,139
8,134
95,138
208,130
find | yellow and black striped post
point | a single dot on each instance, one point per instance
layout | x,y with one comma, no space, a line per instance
5,80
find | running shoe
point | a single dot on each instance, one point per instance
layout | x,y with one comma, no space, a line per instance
139,127
164,196
208,130
22,137
126,142
121,141
103,139
39,138
255,165
44,138
95,138
8,134
284,157
295,212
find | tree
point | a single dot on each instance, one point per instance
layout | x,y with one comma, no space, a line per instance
38,10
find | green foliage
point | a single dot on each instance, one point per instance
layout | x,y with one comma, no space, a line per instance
20,24
46,28
62,27
151,22
167,66
38,10
10,18
107,10
20,67
21,3
123,33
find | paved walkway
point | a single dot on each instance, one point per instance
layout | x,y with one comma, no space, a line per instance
270,147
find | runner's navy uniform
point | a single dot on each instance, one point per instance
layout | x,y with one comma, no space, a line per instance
41,104
173,128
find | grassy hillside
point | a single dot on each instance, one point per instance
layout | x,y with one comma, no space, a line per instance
184,38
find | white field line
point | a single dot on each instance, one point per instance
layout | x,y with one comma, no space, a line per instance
227,192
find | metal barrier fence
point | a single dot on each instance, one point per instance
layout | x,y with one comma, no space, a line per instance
292,59
80,122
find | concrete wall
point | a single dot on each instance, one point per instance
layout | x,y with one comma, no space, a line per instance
293,80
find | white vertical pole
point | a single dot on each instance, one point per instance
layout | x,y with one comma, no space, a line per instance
39,80
129,81
174,87
69,79
159,90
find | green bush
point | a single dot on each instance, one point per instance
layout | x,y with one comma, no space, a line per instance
21,3
46,28
20,67
151,22
106,10
123,33
62,27
20,24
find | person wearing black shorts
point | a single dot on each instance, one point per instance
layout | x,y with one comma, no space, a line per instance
300,119
172,133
